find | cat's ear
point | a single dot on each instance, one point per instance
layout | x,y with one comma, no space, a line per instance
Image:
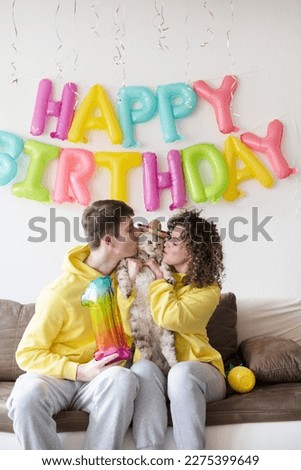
155,225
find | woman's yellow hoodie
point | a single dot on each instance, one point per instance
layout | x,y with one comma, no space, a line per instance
60,334
185,310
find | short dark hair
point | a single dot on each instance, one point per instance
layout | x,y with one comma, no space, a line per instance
104,218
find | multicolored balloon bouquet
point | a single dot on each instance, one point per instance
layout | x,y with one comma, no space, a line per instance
106,320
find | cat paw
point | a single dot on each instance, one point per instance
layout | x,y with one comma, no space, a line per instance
170,280
126,291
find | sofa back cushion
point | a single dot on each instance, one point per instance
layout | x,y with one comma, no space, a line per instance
221,328
14,318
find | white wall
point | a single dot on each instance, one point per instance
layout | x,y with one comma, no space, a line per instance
259,41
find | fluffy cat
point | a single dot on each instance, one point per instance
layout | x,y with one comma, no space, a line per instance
155,343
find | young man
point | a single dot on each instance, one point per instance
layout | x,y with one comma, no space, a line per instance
57,348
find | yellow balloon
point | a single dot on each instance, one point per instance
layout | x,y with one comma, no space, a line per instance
253,168
241,379
86,120
118,163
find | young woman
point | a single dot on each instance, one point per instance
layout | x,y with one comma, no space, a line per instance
194,250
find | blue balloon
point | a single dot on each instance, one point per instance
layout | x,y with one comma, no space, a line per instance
11,147
129,115
170,109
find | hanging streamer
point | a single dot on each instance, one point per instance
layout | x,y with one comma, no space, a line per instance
187,48
161,27
208,30
94,8
13,76
119,35
59,63
75,44
228,36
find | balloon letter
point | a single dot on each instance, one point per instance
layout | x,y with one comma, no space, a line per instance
169,110
118,163
129,115
191,157
40,155
75,167
220,99
153,181
85,119
253,168
106,320
10,148
45,107
271,146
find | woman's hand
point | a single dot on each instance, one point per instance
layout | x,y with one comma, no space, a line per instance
87,372
154,266
134,267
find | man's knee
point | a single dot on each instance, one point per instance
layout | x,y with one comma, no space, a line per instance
121,380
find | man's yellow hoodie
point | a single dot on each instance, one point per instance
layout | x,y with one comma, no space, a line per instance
60,334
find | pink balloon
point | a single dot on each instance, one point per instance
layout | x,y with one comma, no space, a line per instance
45,107
154,181
220,99
271,147
75,167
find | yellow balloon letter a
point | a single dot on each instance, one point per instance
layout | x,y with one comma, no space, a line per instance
86,120
253,168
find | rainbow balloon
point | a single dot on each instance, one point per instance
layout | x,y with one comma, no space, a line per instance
106,320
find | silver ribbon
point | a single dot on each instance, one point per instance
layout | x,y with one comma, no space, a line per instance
208,30
161,26
13,77
119,35
187,48
94,8
59,63
228,35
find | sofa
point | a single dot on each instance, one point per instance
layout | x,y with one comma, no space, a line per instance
264,335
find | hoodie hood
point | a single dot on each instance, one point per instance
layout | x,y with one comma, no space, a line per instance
74,263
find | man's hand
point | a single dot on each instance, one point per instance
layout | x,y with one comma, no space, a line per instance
87,372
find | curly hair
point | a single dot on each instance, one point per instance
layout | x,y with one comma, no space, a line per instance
202,241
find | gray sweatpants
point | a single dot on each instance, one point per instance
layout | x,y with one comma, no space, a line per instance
190,385
109,400
115,398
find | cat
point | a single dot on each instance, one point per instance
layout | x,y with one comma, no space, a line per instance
154,343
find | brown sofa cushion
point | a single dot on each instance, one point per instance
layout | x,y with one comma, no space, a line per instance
221,328
14,318
273,359
266,403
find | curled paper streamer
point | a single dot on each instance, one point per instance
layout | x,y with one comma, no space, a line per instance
119,35
208,30
94,28
161,27
58,62
13,76
106,320
187,61
228,34
75,46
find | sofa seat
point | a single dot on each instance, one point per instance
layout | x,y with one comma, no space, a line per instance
265,403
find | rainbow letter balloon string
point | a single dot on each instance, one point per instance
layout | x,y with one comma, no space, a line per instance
106,321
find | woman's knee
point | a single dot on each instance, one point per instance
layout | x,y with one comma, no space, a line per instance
180,379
